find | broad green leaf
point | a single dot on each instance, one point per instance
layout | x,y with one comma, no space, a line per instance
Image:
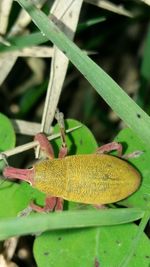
116,242
7,136
132,143
84,247
15,197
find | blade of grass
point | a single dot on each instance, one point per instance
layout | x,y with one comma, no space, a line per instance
119,9
89,23
19,42
119,101
145,66
63,220
22,20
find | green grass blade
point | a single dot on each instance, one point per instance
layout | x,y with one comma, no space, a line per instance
119,101
19,42
65,220
145,67
90,23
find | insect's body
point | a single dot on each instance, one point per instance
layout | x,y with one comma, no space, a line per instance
92,179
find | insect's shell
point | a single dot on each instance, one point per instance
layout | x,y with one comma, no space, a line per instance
93,179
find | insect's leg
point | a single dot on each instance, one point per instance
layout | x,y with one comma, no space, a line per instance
110,147
50,203
45,145
60,119
134,154
99,206
59,204
117,146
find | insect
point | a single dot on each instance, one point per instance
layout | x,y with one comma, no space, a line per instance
93,179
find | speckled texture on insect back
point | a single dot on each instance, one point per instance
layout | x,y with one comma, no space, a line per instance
92,179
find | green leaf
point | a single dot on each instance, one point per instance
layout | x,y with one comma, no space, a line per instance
7,136
137,240
132,143
83,247
15,197
112,93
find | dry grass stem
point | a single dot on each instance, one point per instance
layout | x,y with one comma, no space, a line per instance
111,7
4,41
60,10
10,247
5,7
146,2
33,144
34,51
6,64
8,60
26,127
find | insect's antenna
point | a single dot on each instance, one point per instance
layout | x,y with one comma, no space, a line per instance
60,119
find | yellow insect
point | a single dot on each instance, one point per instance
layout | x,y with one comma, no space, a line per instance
92,179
